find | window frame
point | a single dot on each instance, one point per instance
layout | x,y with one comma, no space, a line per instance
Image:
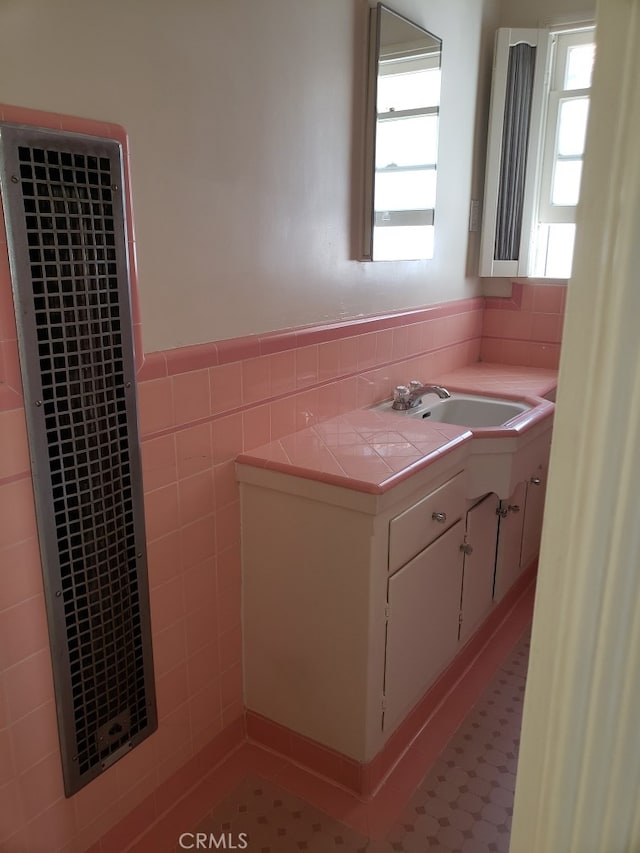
552,45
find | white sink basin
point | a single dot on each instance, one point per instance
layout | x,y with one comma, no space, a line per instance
462,409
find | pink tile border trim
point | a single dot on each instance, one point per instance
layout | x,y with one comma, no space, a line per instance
174,794
367,779
153,829
200,356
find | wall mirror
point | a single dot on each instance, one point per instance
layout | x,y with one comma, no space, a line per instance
402,138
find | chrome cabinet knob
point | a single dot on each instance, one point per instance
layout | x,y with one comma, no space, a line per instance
440,517
514,508
535,481
466,549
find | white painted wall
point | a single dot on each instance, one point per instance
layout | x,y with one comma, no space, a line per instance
542,13
245,120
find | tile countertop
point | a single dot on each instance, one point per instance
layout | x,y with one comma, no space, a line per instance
372,451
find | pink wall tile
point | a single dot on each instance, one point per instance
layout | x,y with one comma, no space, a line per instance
53,828
202,630
516,352
256,427
328,401
11,814
159,463
231,685
171,690
256,379
226,486
169,648
167,604
230,648
161,511
226,434
191,396
164,558
93,800
328,360
191,359
135,823
203,665
400,342
28,684
11,366
225,383
306,366
14,451
23,631
154,366
366,350
196,496
545,355
7,768
283,418
155,405
17,512
200,585
41,786
414,338
193,449
546,327
198,541
548,299
21,575
7,313
283,372
35,737
228,526
228,605
205,710
384,346
348,355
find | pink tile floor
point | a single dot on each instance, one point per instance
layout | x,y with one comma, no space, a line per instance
462,805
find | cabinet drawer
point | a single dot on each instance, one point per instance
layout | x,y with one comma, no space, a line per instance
416,527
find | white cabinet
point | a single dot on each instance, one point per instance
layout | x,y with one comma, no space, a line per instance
508,567
479,565
520,529
340,642
534,509
422,631
354,603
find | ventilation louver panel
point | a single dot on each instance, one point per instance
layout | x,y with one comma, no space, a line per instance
513,150
66,231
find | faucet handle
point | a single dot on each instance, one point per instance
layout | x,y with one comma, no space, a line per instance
401,394
415,385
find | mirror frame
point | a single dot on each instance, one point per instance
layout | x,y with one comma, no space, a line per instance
375,29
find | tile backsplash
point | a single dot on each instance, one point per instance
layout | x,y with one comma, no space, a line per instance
525,329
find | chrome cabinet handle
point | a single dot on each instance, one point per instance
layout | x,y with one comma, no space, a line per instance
514,508
440,517
535,481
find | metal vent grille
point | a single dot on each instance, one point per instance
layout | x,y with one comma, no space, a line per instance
65,224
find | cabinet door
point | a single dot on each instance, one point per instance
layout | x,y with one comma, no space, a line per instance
422,628
534,509
479,565
509,541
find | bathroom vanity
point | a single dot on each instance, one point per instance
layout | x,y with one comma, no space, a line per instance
360,585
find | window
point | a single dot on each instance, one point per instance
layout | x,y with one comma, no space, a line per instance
406,155
539,111
572,56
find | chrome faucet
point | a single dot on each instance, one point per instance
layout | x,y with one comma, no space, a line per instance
409,396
